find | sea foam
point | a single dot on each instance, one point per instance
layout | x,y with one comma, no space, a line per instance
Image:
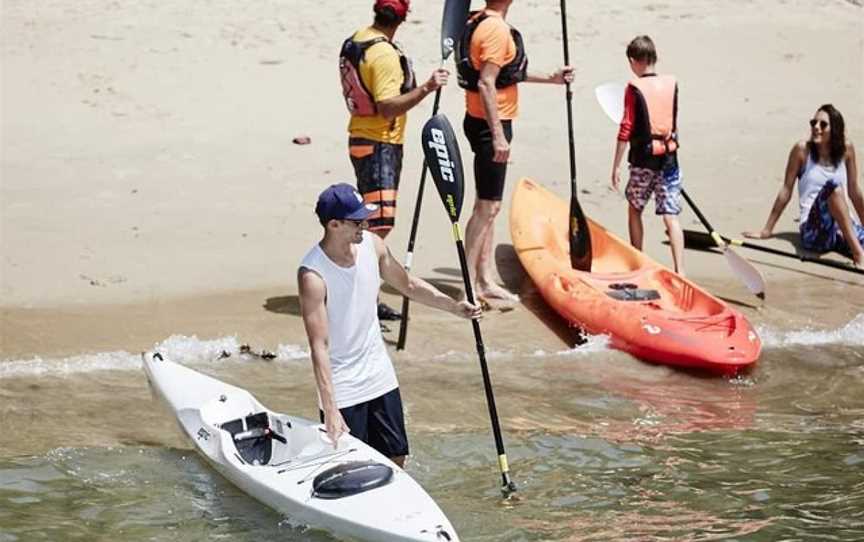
198,352
180,348
851,334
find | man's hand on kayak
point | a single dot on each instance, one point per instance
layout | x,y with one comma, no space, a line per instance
335,425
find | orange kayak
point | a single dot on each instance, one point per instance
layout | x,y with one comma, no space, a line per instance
645,308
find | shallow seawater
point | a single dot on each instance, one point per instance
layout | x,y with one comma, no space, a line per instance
602,447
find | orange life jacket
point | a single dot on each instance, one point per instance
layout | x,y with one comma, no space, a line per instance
657,94
358,98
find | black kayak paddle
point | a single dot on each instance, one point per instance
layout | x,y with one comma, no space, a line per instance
445,163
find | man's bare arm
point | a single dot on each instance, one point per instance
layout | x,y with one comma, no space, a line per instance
313,309
416,288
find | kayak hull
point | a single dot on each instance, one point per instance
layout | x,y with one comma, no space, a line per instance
646,309
282,475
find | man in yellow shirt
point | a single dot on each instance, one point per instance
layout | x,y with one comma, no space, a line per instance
491,60
379,89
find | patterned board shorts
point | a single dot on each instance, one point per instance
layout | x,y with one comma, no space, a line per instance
664,184
820,232
377,167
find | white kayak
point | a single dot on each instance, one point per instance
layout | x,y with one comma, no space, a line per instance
289,463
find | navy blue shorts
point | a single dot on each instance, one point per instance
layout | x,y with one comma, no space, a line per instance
379,423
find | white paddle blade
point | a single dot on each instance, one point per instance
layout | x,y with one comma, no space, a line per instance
610,96
751,276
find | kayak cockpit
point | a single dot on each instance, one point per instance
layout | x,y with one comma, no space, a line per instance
254,436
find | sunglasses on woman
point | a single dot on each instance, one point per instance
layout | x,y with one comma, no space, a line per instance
822,123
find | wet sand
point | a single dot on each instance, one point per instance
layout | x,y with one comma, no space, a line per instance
267,318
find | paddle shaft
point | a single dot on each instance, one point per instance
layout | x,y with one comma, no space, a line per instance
738,242
409,257
507,485
703,220
579,235
569,97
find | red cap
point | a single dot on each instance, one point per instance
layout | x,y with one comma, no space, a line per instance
400,7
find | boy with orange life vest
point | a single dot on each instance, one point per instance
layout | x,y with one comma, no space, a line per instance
379,88
649,126
491,62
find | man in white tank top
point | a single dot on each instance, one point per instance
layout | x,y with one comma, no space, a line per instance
338,281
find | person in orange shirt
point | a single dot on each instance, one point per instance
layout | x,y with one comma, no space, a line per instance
491,62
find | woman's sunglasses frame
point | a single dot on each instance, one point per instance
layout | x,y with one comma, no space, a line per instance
822,124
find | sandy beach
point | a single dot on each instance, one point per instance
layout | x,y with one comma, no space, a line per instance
147,154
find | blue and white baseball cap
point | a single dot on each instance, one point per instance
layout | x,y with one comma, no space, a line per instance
342,201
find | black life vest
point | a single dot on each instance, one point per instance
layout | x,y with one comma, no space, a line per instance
514,72
358,99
